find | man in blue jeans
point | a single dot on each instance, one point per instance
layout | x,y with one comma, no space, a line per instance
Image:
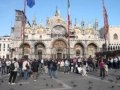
25,68
52,67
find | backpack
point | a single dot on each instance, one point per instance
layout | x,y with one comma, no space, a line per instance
27,66
12,67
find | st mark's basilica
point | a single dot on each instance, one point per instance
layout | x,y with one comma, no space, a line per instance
51,41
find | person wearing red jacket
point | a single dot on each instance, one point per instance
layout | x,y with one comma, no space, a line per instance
102,68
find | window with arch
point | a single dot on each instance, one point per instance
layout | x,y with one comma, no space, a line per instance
113,47
118,48
115,36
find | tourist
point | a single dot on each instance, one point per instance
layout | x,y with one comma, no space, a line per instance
25,68
102,69
8,63
13,71
34,67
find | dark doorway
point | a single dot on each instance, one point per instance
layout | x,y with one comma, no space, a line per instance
59,55
39,54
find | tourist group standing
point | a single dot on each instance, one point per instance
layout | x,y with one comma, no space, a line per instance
26,68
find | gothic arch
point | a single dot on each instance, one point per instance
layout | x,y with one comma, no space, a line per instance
59,49
79,49
59,40
25,45
91,49
39,49
27,48
39,45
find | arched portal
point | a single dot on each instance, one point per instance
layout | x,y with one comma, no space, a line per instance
39,50
91,49
79,49
27,50
59,50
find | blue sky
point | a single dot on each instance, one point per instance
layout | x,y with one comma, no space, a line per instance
88,10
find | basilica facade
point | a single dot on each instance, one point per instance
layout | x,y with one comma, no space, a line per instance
51,41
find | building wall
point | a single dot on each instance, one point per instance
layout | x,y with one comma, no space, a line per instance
51,40
114,38
5,47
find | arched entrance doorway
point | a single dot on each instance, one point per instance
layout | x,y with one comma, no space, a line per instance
79,49
92,49
39,50
59,50
27,50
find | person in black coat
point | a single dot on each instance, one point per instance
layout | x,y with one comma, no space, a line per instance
34,67
52,67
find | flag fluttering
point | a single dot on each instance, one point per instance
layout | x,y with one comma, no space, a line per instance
69,29
106,25
30,3
69,17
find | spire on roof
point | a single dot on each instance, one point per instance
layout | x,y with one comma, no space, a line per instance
34,21
96,24
57,13
76,22
83,24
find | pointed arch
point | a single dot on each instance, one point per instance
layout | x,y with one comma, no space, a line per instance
26,48
91,49
79,49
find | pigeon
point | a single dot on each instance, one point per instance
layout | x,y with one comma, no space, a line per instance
47,84
90,82
11,89
110,80
118,78
74,85
89,87
20,84
112,86
72,82
52,86
2,81
119,86
60,84
44,79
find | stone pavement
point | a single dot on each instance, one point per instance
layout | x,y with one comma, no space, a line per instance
69,81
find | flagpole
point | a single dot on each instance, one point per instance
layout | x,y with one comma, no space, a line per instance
24,21
105,22
68,29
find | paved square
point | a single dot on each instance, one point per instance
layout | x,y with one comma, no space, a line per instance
69,81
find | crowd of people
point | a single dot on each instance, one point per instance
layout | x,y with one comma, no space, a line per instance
26,68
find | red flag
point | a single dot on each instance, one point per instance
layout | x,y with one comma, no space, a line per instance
68,18
106,25
24,21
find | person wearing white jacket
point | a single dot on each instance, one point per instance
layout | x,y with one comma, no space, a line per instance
25,68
